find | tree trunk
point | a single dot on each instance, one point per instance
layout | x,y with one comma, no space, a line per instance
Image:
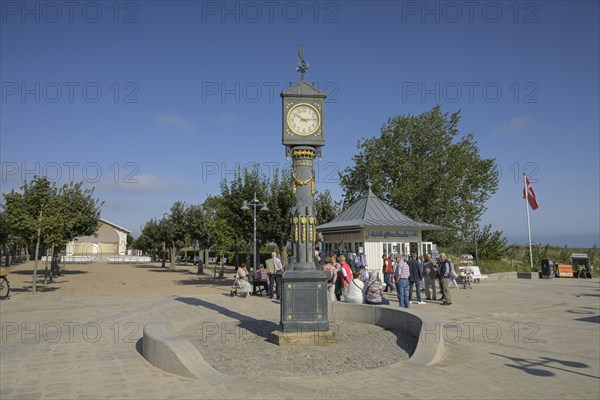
283,254
37,252
173,253
221,271
200,262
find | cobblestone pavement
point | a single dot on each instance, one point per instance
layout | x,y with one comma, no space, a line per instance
514,339
230,347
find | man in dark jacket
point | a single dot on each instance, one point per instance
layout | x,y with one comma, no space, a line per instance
416,274
444,273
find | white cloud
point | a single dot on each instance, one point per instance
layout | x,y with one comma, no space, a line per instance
175,120
514,126
225,120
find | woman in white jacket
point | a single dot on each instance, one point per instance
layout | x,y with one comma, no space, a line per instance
355,289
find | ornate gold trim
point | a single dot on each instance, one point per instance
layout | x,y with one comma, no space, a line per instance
303,153
303,182
295,229
304,228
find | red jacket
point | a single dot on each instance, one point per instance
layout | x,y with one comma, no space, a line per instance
387,265
346,280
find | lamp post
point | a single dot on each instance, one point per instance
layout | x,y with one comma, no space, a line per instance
254,203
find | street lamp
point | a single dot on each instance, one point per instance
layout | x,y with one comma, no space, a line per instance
255,203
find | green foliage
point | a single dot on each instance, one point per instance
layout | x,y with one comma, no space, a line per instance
183,227
490,245
421,166
539,252
6,236
220,235
327,209
130,241
55,215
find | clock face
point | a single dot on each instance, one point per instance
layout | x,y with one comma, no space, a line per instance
303,119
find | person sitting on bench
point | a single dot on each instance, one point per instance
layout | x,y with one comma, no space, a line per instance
261,280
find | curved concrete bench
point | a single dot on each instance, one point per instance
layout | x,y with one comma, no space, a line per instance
173,353
428,331
170,352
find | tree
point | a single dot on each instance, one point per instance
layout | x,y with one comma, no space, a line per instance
42,213
196,228
245,184
220,235
6,238
130,241
278,217
149,240
422,166
327,209
490,245
179,236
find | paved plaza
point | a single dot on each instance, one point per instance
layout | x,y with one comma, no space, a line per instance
81,337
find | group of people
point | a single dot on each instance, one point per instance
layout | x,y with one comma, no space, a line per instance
268,279
363,286
407,275
359,286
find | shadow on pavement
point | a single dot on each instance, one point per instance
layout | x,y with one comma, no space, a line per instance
595,319
261,328
534,366
28,289
206,281
40,272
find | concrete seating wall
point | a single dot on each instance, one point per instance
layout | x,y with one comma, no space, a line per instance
428,331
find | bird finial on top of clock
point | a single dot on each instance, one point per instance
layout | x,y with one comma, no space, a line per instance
302,65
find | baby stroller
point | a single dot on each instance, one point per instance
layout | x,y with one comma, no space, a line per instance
468,278
236,289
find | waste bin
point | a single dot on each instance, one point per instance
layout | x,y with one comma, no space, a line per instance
547,269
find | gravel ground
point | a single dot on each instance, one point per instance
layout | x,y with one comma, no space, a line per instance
231,347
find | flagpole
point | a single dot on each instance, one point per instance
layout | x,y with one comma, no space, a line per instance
528,224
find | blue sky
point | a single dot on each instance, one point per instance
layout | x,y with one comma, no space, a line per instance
153,102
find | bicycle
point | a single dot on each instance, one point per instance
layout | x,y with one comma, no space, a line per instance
4,283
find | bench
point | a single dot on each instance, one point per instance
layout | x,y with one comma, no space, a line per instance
477,277
127,259
72,259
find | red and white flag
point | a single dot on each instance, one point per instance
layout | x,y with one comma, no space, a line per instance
530,196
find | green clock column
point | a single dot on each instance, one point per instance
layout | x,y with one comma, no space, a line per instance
304,283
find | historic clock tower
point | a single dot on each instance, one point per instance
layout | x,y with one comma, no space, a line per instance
304,301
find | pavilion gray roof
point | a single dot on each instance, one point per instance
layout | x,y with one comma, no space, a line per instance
370,211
